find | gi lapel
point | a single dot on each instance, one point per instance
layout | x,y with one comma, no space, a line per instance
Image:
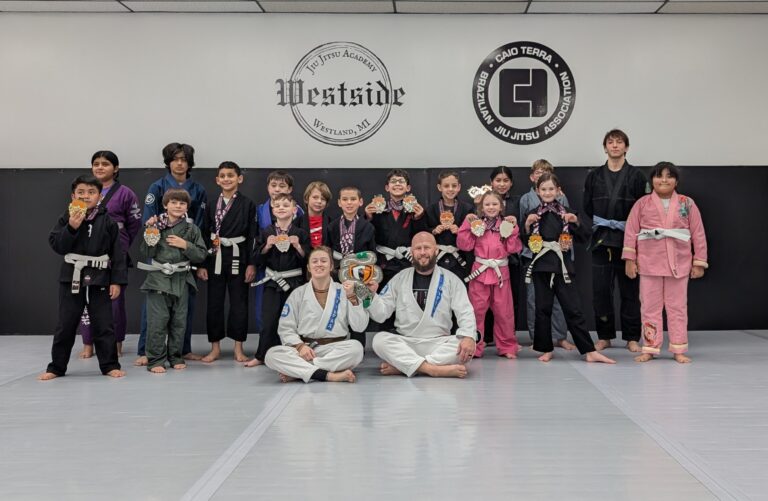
434,296
613,191
331,311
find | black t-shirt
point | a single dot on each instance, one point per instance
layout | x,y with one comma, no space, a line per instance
421,288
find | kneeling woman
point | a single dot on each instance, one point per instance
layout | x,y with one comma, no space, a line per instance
314,327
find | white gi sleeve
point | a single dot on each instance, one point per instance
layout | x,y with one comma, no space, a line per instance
288,326
357,317
383,304
462,308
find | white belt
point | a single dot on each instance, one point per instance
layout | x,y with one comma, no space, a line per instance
399,252
494,264
450,249
165,268
228,242
659,233
547,247
80,261
279,277
121,225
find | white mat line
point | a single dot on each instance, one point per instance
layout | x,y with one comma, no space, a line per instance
761,335
11,379
218,473
692,462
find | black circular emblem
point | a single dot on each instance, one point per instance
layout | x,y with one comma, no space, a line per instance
523,93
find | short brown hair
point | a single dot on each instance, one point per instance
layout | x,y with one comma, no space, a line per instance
177,194
320,186
280,175
283,196
616,134
448,173
542,165
352,188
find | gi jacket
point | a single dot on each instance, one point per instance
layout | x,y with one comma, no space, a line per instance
550,228
282,261
364,239
462,209
93,238
240,221
195,253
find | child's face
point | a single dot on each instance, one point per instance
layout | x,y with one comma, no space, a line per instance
397,187
228,180
283,209
320,265
535,175
665,184
88,194
176,208
547,191
103,170
491,206
350,203
179,165
315,202
276,187
449,187
615,147
501,184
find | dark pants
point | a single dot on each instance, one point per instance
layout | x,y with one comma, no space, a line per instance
187,347
568,296
272,303
237,320
607,267
70,309
166,323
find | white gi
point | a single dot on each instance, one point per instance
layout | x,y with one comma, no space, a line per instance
302,316
423,335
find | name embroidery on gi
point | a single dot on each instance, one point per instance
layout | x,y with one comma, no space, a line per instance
335,312
286,310
438,294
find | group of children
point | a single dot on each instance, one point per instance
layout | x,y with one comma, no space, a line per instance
234,244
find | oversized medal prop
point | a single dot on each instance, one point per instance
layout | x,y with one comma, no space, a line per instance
477,227
151,236
77,207
476,191
282,243
506,228
361,269
379,203
409,203
446,218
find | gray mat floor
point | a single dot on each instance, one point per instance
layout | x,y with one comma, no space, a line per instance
512,430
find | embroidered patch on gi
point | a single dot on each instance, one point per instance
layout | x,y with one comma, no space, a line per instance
150,199
649,333
384,290
286,311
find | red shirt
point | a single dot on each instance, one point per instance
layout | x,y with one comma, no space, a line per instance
315,231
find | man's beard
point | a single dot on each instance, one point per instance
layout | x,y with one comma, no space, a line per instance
428,267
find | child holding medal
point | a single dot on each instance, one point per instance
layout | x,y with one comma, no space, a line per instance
492,238
444,218
550,229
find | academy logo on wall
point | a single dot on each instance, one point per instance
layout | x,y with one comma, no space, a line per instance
524,93
340,93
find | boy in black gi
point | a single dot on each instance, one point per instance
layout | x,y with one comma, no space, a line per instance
230,229
93,270
281,249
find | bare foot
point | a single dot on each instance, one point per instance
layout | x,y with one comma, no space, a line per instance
158,370
179,367
634,346
192,356
456,370
546,357
87,351
287,379
253,363
596,356
115,373
602,344
389,370
645,357
142,361
240,356
46,376
346,376
212,356
510,355
565,344
682,359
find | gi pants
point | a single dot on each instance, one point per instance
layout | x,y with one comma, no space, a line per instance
332,357
272,304
71,308
237,320
499,300
568,295
118,317
559,329
187,347
407,354
166,324
607,267
664,293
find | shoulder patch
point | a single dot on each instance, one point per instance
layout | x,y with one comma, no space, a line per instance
150,199
384,290
286,310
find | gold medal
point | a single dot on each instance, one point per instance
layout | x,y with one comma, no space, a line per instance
535,243
446,218
409,203
216,242
477,227
151,236
282,243
565,241
77,207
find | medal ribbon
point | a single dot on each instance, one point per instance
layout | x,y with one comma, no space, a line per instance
347,236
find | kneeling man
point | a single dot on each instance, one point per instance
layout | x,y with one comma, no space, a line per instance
423,298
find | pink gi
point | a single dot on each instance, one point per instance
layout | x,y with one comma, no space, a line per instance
485,292
664,266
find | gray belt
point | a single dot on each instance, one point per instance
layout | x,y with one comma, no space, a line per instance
228,242
165,268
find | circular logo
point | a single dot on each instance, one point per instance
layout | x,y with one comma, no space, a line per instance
150,199
523,93
340,93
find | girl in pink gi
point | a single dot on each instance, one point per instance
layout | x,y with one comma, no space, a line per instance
664,242
489,284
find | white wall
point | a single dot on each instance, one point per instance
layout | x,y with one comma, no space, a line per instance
690,89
